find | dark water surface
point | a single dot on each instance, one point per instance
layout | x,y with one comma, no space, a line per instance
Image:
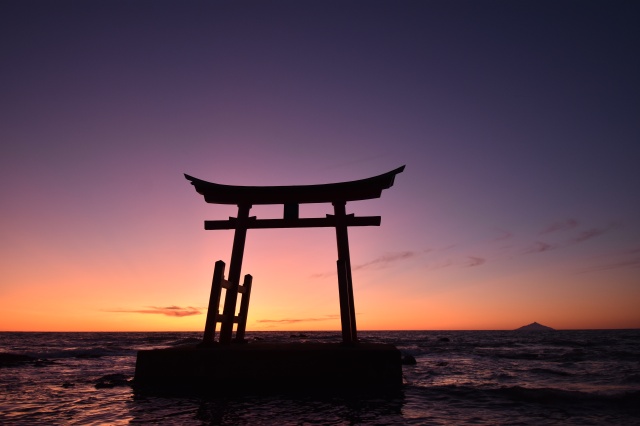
461,377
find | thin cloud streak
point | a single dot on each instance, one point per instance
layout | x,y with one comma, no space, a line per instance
384,260
560,226
506,235
170,311
440,265
380,262
625,259
297,320
629,263
539,247
587,235
322,275
475,261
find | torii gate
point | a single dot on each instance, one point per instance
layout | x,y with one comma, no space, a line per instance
291,197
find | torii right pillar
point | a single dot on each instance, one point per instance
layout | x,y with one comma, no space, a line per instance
345,284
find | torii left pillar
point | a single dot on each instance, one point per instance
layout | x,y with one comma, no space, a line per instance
235,269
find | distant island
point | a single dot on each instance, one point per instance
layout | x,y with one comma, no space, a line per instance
534,326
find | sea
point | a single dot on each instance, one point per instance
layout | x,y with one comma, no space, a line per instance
576,377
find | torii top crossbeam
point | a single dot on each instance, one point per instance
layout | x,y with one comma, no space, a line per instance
363,189
290,197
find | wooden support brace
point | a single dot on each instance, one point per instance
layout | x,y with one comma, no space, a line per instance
244,308
213,314
214,302
221,318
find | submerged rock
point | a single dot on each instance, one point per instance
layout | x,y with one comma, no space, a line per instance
88,356
112,380
12,360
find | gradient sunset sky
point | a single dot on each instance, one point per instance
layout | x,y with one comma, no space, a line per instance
518,122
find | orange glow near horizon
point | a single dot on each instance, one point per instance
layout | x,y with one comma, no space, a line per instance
295,289
300,301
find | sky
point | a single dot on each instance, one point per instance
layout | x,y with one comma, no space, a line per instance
518,123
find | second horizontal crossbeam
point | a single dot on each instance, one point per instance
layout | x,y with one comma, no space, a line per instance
311,222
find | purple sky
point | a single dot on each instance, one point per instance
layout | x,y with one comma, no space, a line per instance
519,123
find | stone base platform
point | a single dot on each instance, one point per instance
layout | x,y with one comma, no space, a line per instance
272,367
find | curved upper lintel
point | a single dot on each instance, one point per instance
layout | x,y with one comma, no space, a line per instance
363,189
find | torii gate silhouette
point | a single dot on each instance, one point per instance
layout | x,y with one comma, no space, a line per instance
338,194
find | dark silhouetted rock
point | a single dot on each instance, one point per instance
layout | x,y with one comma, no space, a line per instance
534,326
409,360
9,360
272,367
42,362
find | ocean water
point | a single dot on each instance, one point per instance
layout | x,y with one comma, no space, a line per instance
589,377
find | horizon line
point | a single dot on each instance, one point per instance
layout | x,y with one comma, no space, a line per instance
310,331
